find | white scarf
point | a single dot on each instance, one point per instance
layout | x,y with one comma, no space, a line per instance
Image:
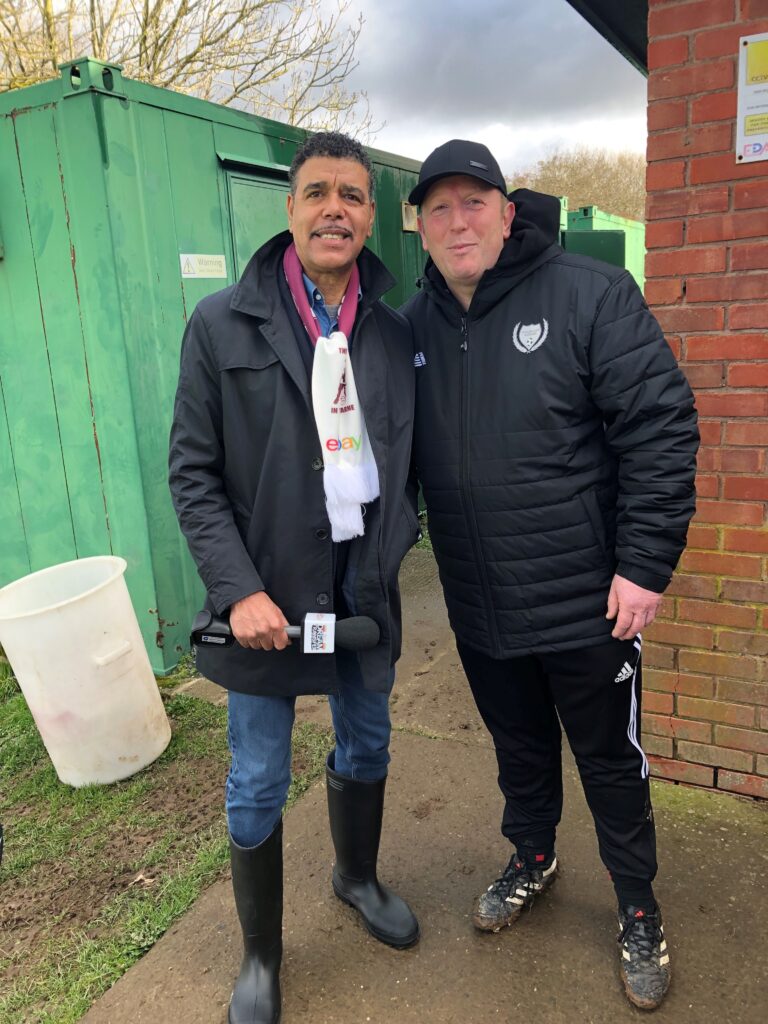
350,476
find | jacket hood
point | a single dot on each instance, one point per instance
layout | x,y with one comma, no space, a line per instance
533,241
257,291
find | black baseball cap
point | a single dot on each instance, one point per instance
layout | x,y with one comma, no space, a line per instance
458,157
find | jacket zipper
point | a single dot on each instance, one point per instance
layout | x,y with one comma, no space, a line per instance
465,491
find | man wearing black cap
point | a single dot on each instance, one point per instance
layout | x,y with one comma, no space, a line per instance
555,441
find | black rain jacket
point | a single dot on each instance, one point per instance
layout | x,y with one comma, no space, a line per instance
245,478
555,441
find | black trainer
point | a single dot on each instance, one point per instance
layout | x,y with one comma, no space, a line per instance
503,901
645,968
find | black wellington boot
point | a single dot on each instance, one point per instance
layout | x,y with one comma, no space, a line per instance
257,880
356,810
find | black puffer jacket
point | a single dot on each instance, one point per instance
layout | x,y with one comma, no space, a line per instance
555,441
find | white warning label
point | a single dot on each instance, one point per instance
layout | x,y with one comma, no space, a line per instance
195,264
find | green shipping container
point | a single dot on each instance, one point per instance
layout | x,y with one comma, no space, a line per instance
606,236
122,205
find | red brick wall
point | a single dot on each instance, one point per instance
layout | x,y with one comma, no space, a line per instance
706,695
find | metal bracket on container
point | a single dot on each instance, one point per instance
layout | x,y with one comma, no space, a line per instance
88,75
94,78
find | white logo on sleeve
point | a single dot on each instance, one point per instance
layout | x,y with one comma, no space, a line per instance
529,337
419,359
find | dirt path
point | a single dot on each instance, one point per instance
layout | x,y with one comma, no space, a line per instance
441,846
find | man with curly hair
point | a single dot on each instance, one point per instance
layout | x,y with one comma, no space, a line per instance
289,463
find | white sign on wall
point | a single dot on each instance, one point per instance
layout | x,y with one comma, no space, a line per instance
752,114
194,264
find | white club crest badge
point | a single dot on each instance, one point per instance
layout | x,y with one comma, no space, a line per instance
529,337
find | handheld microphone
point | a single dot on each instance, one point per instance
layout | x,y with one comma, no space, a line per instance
318,633
357,633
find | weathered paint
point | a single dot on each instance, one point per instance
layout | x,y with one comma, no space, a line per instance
103,183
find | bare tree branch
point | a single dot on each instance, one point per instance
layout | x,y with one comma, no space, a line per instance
287,59
591,177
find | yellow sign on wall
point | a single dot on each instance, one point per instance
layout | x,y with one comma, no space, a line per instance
757,62
752,114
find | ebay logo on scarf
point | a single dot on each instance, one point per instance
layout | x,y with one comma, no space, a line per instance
336,444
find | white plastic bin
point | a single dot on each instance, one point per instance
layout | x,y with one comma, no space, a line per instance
71,636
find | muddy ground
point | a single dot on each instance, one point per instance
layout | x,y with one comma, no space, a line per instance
441,846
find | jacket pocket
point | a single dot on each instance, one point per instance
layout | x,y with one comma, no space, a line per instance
250,371
251,383
250,352
594,516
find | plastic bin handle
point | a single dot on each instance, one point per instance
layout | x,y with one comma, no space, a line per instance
107,659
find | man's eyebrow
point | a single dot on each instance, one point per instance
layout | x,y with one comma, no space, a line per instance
323,186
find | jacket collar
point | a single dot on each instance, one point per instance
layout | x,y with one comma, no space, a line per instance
256,293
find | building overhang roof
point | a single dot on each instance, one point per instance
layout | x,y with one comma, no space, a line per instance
624,25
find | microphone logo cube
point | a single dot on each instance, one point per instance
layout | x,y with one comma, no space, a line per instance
319,633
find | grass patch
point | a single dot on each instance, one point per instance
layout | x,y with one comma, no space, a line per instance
425,543
8,685
185,669
128,859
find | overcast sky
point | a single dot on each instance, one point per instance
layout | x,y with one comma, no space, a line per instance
522,76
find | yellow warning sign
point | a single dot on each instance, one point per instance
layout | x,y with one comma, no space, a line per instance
755,124
752,100
757,62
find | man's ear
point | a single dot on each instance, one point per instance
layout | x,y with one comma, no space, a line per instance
424,245
509,216
289,211
373,217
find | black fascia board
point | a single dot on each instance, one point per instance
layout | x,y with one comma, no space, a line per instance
622,23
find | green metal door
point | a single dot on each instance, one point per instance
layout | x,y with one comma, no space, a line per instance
257,213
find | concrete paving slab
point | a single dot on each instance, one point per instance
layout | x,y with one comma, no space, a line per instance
441,846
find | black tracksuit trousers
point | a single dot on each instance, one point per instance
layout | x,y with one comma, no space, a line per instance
595,691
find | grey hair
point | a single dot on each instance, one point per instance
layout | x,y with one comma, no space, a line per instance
337,146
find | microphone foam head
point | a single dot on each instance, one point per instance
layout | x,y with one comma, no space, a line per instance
359,633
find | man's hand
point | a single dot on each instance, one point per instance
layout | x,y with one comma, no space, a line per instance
633,607
257,622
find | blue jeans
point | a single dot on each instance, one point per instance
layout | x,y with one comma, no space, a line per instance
259,734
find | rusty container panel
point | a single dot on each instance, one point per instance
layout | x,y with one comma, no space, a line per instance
122,205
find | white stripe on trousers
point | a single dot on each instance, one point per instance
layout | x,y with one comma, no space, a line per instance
632,727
